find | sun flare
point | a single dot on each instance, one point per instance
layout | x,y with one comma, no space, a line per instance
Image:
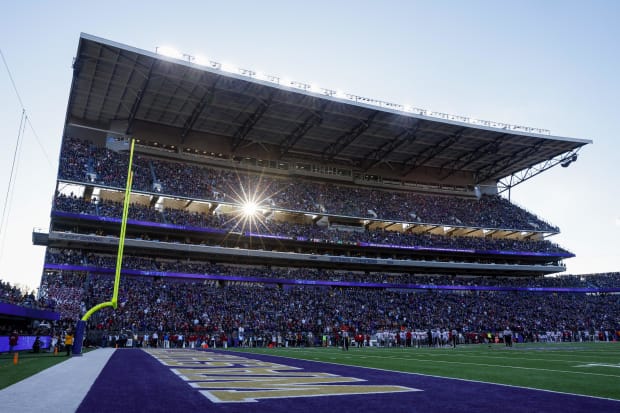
249,209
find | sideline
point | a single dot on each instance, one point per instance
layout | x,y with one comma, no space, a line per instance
60,388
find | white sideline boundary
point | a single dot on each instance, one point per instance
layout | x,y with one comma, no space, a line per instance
60,388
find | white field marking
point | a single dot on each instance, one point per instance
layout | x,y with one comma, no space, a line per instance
525,350
435,353
457,379
482,365
467,348
514,355
617,366
542,348
264,379
464,355
495,365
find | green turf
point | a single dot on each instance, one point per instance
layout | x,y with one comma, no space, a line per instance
563,367
27,365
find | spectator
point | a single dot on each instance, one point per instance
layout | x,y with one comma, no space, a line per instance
69,342
13,340
36,346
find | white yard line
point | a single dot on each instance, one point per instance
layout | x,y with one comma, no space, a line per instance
446,378
503,366
434,360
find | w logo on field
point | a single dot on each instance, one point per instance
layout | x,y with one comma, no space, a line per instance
224,378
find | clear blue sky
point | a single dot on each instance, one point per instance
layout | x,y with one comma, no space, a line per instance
546,64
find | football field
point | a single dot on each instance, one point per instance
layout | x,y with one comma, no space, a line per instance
573,377
591,369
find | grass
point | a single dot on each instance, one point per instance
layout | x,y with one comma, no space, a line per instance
579,368
27,365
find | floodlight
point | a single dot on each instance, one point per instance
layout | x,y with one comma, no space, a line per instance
227,67
313,88
169,52
201,60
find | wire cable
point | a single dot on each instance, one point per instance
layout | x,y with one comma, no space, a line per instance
12,81
12,178
21,103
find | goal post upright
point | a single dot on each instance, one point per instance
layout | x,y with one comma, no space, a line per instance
81,324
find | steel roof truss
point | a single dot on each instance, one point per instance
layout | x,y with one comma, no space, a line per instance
107,91
505,184
333,149
106,88
468,157
171,97
512,159
314,119
249,123
91,83
126,89
433,151
380,154
138,100
205,100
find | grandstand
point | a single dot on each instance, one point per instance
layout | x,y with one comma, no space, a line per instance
255,190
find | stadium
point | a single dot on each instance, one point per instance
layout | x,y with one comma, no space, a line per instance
269,223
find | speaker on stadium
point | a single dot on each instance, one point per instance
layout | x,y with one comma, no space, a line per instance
477,192
569,160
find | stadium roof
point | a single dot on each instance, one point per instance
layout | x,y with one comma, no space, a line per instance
115,84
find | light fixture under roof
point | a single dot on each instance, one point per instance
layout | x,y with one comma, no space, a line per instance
311,88
168,52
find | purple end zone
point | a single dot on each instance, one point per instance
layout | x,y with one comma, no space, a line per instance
133,380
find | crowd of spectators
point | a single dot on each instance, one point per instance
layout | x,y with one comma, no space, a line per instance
169,305
15,295
189,297
65,294
80,158
309,232
12,294
107,262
